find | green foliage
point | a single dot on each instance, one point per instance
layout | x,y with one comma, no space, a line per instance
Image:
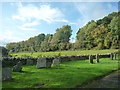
62,35
42,42
32,44
69,75
115,32
102,34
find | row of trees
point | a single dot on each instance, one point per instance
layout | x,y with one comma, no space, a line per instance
100,34
42,42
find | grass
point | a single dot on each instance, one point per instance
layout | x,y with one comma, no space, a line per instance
66,53
68,75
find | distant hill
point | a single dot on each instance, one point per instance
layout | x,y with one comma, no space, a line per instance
101,34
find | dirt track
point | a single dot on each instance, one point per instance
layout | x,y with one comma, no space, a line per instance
110,81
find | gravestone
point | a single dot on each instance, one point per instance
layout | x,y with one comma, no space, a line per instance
18,67
6,73
91,59
29,62
115,56
97,58
3,52
1,72
111,56
41,63
56,62
48,63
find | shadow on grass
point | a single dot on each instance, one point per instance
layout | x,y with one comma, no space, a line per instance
11,80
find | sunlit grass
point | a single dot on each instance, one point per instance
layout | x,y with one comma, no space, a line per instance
66,53
68,75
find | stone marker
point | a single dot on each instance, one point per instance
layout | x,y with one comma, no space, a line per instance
1,72
56,62
91,58
6,73
29,62
114,56
48,63
18,67
111,56
97,58
41,63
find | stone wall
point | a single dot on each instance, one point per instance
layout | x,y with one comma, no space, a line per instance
13,61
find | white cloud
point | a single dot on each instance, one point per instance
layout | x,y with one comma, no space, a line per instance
40,13
26,28
26,14
43,12
65,21
34,23
18,18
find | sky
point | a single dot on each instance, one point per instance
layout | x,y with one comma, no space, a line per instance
22,20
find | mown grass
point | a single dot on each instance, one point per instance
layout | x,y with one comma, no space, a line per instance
65,53
68,75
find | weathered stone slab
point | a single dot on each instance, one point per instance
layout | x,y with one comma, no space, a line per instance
56,62
114,56
41,63
91,58
18,67
6,73
44,63
1,73
97,58
48,63
29,62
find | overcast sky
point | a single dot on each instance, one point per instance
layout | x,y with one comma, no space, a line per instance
22,20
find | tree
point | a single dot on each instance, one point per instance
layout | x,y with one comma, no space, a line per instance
99,34
62,35
45,46
115,32
84,37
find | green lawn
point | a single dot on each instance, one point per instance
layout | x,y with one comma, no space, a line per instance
66,53
68,75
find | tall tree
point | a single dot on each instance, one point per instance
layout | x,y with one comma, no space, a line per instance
62,35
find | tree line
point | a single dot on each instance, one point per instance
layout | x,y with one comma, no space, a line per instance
101,34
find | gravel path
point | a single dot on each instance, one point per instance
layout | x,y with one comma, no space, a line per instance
110,81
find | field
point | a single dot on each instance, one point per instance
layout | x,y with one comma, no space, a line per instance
65,53
68,75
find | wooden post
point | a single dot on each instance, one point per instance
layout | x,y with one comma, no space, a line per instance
91,59
97,58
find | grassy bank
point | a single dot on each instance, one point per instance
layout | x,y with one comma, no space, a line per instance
65,53
68,75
